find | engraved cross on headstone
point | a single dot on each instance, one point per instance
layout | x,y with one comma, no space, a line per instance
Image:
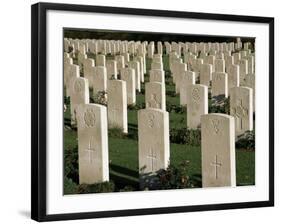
152,157
90,151
216,164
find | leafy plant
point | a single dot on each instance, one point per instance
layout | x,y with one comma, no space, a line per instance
69,186
185,136
100,98
246,141
175,108
174,177
103,187
219,106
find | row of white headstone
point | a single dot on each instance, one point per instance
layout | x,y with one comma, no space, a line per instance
194,96
217,145
137,47
154,123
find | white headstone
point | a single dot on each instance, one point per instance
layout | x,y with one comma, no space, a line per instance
154,145
157,75
197,104
100,60
117,105
218,150
120,62
188,79
233,76
205,74
141,61
136,66
241,107
157,65
219,65
71,72
155,96
219,84
243,66
249,81
128,75
99,79
88,65
79,94
111,68
92,144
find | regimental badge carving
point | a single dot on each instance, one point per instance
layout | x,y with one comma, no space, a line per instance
216,123
78,86
218,77
151,118
153,102
195,94
89,118
239,111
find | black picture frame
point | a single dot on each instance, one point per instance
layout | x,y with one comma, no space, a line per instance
39,115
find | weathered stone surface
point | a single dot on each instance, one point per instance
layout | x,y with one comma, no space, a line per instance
219,65
128,75
157,75
241,108
88,65
117,105
219,84
136,66
120,62
218,150
233,76
111,69
154,145
70,71
79,94
197,104
92,144
157,65
188,79
99,79
243,66
155,96
206,74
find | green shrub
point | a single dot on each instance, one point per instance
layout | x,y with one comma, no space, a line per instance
170,93
174,177
246,141
116,133
175,108
193,137
66,100
127,188
219,106
178,136
103,187
71,164
185,136
100,98
69,186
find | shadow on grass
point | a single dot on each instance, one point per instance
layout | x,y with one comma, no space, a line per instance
124,171
133,131
122,182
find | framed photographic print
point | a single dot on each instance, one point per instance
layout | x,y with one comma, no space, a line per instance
138,111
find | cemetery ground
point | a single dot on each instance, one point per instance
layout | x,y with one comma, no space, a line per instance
185,151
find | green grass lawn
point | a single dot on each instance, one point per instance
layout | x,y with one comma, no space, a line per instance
123,152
